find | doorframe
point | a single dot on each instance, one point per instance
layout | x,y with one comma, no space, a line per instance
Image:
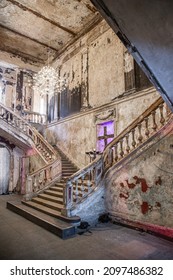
11,171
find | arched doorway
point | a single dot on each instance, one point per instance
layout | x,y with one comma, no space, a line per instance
4,169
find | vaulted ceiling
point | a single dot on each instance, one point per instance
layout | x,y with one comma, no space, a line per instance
28,28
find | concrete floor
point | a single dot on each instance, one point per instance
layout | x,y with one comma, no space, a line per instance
22,240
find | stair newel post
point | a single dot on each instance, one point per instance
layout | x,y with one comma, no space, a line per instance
140,134
116,152
147,132
127,143
133,138
35,185
162,119
153,113
29,189
67,199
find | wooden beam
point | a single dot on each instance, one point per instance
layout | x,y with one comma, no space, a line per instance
24,8
24,36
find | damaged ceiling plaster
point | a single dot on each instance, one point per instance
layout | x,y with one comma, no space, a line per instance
29,28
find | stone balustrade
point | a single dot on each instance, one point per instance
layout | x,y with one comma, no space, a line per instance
42,178
145,126
38,142
33,117
81,184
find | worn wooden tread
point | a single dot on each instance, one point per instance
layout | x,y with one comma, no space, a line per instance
51,198
53,205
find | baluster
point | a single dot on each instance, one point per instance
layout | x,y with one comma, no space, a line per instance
76,194
154,127
116,152
121,148
133,138
147,132
162,119
45,176
140,135
35,184
127,143
24,127
1,112
68,194
9,117
82,185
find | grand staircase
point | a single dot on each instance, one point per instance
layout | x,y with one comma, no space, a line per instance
58,188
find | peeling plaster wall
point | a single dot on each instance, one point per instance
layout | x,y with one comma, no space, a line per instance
106,69
77,135
129,109
142,190
95,62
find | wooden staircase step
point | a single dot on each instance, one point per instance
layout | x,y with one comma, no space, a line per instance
52,223
50,204
52,198
54,193
56,189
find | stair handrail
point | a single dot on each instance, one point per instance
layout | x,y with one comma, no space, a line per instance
107,160
31,132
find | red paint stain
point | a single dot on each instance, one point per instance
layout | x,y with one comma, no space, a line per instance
130,185
122,185
158,181
158,204
144,207
142,181
124,195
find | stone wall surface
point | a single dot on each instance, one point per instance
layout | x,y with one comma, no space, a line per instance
95,63
142,189
77,135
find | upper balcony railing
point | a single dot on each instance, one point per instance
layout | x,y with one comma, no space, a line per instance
38,142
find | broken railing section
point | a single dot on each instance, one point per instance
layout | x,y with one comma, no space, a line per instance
44,149
33,117
146,125
81,184
41,179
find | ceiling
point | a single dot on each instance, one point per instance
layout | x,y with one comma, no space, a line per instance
28,28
